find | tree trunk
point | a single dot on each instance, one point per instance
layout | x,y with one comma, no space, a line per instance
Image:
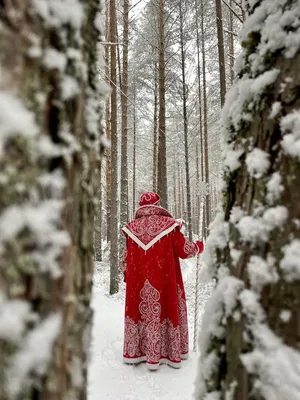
114,265
108,135
205,129
98,218
154,183
252,321
124,103
162,158
200,164
185,127
222,71
231,45
134,151
49,150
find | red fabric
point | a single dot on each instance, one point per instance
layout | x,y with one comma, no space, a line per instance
200,246
149,198
156,328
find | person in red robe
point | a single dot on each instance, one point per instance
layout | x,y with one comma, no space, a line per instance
156,327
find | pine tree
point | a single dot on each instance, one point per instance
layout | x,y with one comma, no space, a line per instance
49,150
250,341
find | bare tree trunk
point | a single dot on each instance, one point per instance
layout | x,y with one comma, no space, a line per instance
114,267
222,70
199,163
108,135
134,150
231,45
124,145
255,336
46,201
98,218
154,184
185,126
162,161
205,129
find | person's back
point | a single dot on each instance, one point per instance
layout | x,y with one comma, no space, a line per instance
156,328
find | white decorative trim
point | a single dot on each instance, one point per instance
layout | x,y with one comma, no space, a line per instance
155,366
153,241
153,340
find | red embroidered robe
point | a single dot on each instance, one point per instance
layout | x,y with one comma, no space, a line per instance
156,328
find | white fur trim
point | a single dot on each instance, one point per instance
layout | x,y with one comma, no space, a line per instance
154,367
153,241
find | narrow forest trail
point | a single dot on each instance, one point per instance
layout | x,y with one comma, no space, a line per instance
109,378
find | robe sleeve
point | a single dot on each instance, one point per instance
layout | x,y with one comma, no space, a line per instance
183,247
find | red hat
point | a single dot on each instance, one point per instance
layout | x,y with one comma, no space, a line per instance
149,198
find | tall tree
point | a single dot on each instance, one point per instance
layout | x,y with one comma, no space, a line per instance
114,267
162,161
124,141
154,178
250,343
206,216
49,149
222,71
185,124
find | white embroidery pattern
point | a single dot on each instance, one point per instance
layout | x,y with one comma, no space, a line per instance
183,322
190,248
147,231
153,338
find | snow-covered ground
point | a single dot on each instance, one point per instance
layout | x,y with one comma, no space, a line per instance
109,378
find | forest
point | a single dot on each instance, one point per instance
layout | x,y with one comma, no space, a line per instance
111,110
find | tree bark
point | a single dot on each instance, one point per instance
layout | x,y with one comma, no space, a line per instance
231,45
154,179
124,141
205,128
185,127
134,151
256,332
222,71
114,265
47,197
162,161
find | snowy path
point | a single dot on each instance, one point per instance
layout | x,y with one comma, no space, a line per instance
109,378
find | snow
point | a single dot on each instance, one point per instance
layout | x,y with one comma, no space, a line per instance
272,21
290,127
285,315
54,59
261,272
236,214
232,159
69,87
221,304
252,229
275,217
290,263
218,239
276,108
109,377
41,220
13,318
10,126
274,366
35,352
257,162
57,13
241,95
274,188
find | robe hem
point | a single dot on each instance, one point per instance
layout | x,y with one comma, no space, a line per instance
155,366
153,241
